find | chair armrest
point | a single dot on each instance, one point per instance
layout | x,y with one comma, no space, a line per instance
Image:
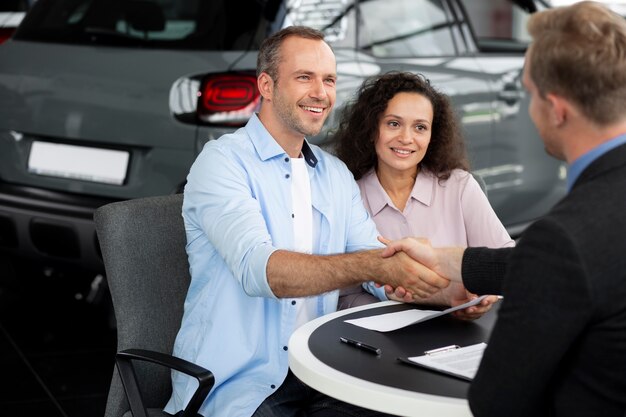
123,360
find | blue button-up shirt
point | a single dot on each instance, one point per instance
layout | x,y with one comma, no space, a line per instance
237,211
580,164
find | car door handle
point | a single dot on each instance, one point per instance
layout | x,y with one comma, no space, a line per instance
510,94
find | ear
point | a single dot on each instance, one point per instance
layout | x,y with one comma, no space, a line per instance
559,107
265,85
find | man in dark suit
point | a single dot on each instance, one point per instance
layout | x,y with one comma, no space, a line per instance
559,345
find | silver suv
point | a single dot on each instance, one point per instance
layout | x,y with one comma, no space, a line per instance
104,100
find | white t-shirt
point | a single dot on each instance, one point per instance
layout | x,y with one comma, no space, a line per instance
302,229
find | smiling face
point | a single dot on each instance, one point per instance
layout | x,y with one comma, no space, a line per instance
303,95
404,132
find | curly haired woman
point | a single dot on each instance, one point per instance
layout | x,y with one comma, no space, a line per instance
401,140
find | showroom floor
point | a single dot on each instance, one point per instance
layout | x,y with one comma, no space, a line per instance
56,348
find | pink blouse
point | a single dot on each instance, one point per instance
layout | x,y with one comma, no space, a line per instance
455,212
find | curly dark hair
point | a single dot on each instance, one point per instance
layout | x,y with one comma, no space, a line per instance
358,125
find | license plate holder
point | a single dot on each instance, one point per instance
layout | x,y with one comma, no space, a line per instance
106,166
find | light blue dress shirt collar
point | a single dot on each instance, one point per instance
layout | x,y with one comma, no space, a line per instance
580,164
267,148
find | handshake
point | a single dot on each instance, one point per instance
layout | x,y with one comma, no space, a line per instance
426,275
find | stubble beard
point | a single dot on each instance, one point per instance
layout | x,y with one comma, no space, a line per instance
290,117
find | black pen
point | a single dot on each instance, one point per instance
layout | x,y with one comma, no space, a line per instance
361,345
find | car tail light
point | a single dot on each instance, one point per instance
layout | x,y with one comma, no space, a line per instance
228,99
5,34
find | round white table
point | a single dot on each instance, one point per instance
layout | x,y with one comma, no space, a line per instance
381,382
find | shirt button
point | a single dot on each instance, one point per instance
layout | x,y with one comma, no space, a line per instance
285,348
293,215
293,302
272,386
286,159
286,175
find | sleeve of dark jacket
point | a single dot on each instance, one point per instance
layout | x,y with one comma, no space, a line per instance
542,314
483,269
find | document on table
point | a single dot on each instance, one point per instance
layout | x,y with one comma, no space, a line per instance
393,321
459,362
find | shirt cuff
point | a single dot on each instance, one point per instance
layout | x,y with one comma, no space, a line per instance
254,280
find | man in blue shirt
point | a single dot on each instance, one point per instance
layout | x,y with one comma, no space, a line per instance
274,227
559,345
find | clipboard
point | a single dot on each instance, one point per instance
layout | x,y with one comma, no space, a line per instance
456,361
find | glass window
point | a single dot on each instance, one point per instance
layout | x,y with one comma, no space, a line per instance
14,5
498,25
179,24
398,28
329,16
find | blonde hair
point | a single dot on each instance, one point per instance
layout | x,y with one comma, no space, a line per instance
579,52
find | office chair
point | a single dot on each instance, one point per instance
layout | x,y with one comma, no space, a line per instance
143,249
481,181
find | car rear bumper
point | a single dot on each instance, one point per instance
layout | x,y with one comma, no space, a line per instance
49,226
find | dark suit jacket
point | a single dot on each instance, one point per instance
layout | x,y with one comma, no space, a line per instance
559,345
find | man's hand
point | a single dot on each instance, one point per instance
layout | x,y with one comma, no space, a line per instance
406,273
445,262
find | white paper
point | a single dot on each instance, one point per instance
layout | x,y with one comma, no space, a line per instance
462,362
393,321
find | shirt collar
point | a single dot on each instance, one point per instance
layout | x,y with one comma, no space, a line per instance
423,188
377,196
579,165
308,154
267,147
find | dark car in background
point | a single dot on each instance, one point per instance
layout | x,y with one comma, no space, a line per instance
105,100
11,14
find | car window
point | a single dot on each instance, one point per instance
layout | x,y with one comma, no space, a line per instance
14,5
498,25
329,16
400,28
179,24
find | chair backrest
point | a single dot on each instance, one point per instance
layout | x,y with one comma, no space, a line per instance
143,248
481,182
